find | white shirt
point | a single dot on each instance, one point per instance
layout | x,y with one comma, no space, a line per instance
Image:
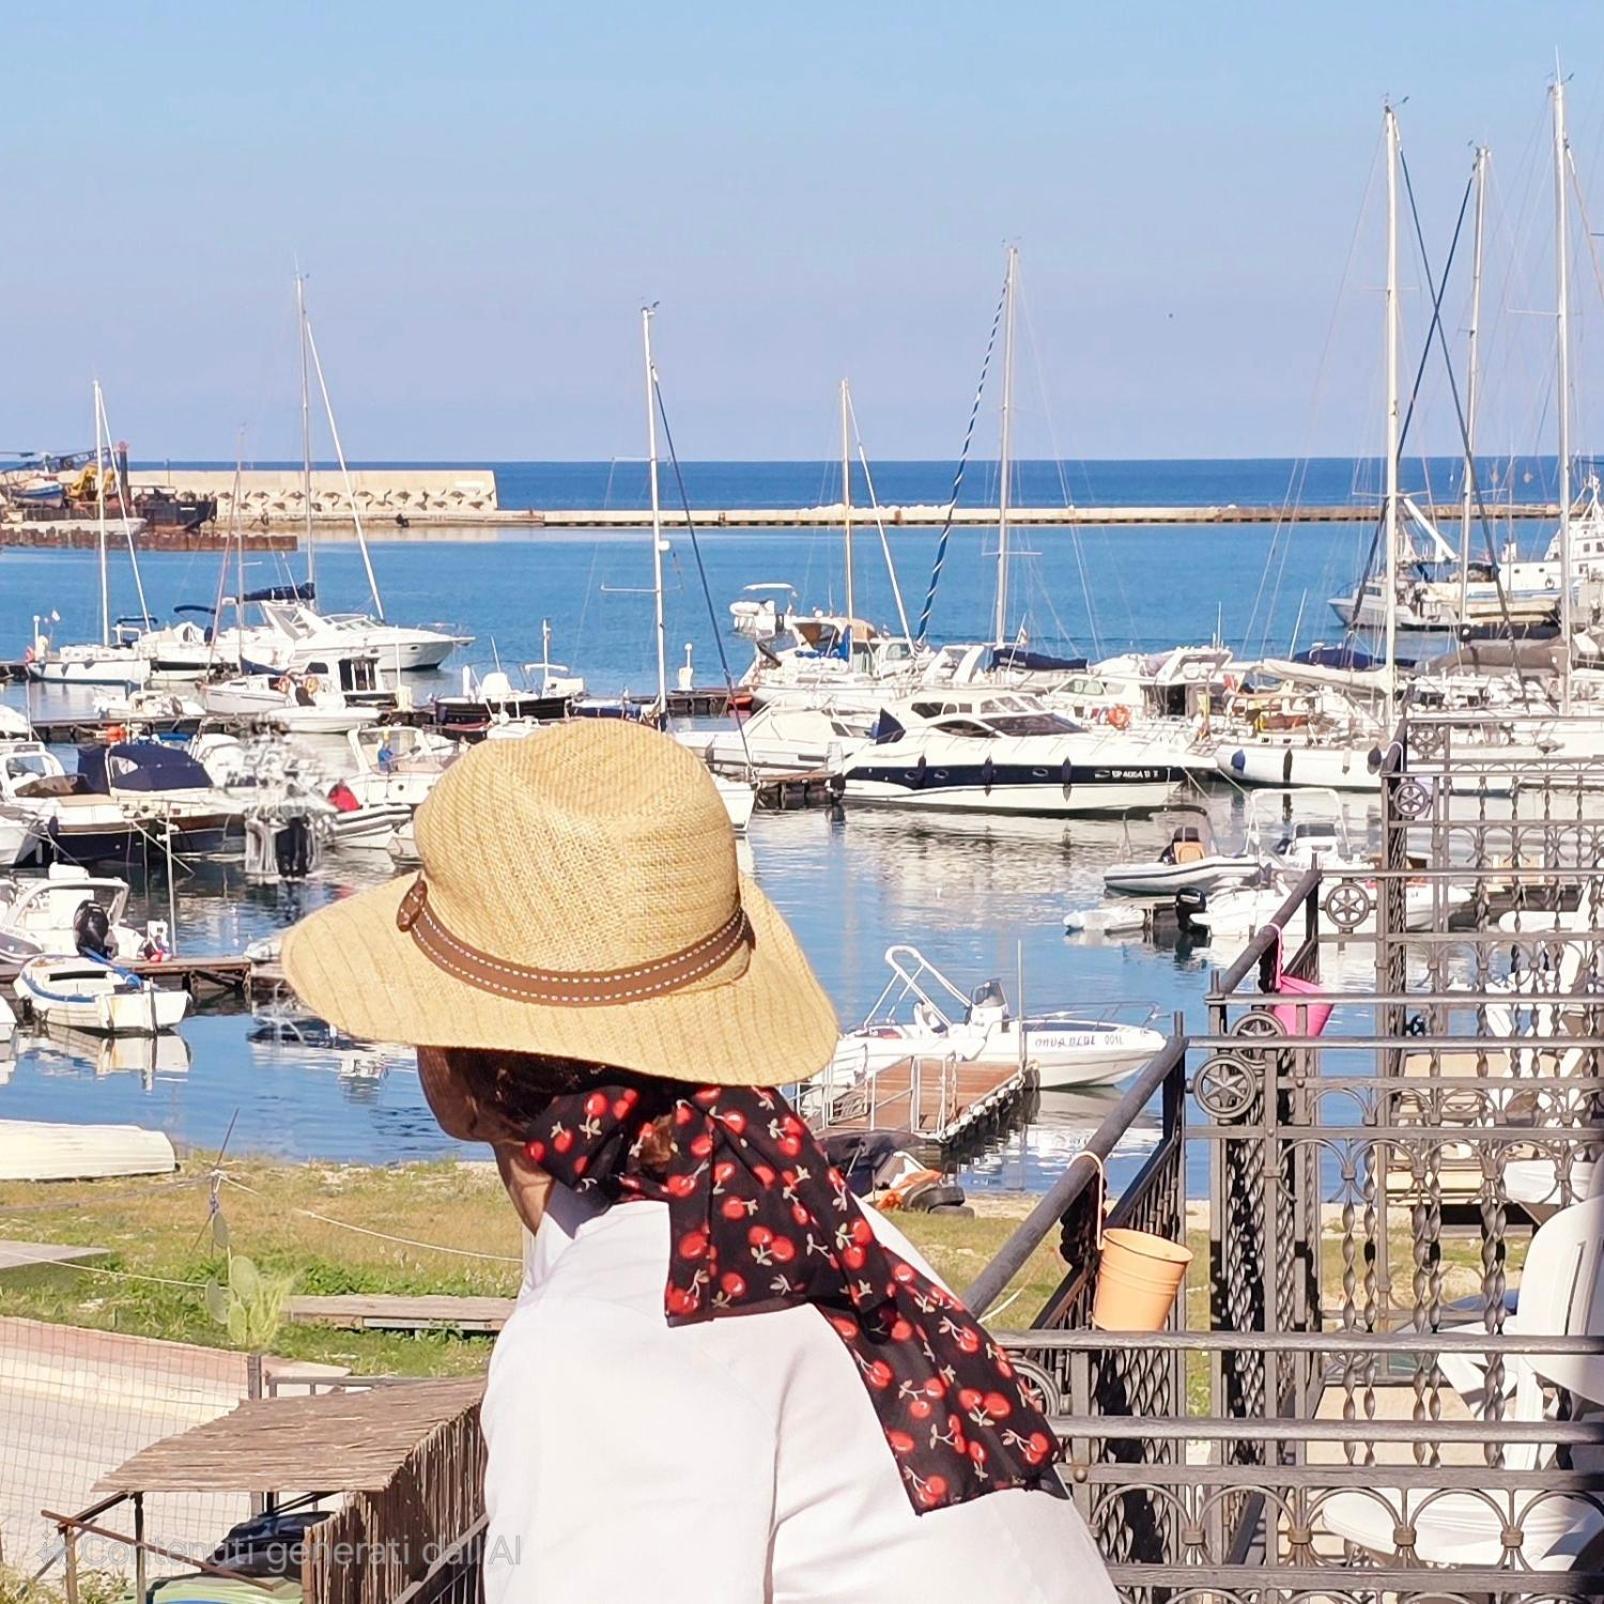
733,1461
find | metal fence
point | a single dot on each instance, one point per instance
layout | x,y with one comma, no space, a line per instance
1352,1402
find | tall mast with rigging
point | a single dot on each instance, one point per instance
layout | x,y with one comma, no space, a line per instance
306,426
1472,383
100,520
1390,514
1000,624
1562,340
658,627
846,502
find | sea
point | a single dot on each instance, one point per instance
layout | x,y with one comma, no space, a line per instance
981,898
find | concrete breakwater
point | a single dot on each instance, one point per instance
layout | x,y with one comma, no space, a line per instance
382,495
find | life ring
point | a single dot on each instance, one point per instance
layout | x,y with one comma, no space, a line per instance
312,684
1120,716
115,733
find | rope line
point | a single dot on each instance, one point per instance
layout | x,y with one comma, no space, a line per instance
963,462
383,1236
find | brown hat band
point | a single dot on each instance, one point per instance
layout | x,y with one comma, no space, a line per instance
567,988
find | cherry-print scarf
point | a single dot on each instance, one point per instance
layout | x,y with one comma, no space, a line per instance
759,1218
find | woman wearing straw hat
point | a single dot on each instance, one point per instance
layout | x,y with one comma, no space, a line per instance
725,1381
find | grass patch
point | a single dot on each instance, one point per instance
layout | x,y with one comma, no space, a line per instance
158,1230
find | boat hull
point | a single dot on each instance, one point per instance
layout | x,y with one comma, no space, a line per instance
1157,879
1338,768
1092,792
78,994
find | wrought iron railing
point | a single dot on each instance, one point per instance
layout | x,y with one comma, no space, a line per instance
1343,1407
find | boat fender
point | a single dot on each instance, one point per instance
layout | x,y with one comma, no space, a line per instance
1286,768
1064,773
1120,717
920,771
837,786
988,773
343,798
1239,760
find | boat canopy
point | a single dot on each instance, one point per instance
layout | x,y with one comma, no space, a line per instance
1038,662
139,766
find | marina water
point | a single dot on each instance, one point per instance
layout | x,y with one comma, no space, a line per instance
980,897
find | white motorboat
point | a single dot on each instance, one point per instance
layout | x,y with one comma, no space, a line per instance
1189,862
396,764
91,994
739,798
305,704
360,826
55,914
21,834
1000,752
1341,764
783,739
922,1014
80,824
294,635
149,707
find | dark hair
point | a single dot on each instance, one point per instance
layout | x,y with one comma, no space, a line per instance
516,1089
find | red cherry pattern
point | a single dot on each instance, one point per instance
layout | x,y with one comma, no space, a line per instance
758,1216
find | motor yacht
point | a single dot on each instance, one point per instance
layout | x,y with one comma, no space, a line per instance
1000,752
781,739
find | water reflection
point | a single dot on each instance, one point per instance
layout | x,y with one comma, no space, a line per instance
980,897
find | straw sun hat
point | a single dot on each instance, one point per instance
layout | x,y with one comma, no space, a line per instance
579,897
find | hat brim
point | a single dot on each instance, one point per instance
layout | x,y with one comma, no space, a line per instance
771,1024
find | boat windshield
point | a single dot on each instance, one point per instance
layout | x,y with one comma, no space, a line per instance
1042,723
30,766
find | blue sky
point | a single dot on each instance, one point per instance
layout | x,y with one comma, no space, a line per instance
483,195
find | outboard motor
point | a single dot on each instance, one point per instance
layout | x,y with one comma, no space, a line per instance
294,849
91,929
1189,903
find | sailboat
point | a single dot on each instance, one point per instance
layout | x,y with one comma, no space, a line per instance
802,658
115,659
290,635
1340,754
738,795
1443,594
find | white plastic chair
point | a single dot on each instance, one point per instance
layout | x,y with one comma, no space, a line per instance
1561,1294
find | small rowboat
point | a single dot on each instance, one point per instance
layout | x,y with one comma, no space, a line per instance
90,994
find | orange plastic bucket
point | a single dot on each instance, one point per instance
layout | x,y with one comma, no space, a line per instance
1138,1279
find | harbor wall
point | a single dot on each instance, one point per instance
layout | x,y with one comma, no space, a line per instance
273,496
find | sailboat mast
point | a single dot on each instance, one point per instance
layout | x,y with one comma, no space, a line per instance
1562,339
345,472
657,515
1472,383
1000,629
100,514
1391,513
846,502
306,427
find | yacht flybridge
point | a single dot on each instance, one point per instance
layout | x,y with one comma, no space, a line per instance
1001,752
